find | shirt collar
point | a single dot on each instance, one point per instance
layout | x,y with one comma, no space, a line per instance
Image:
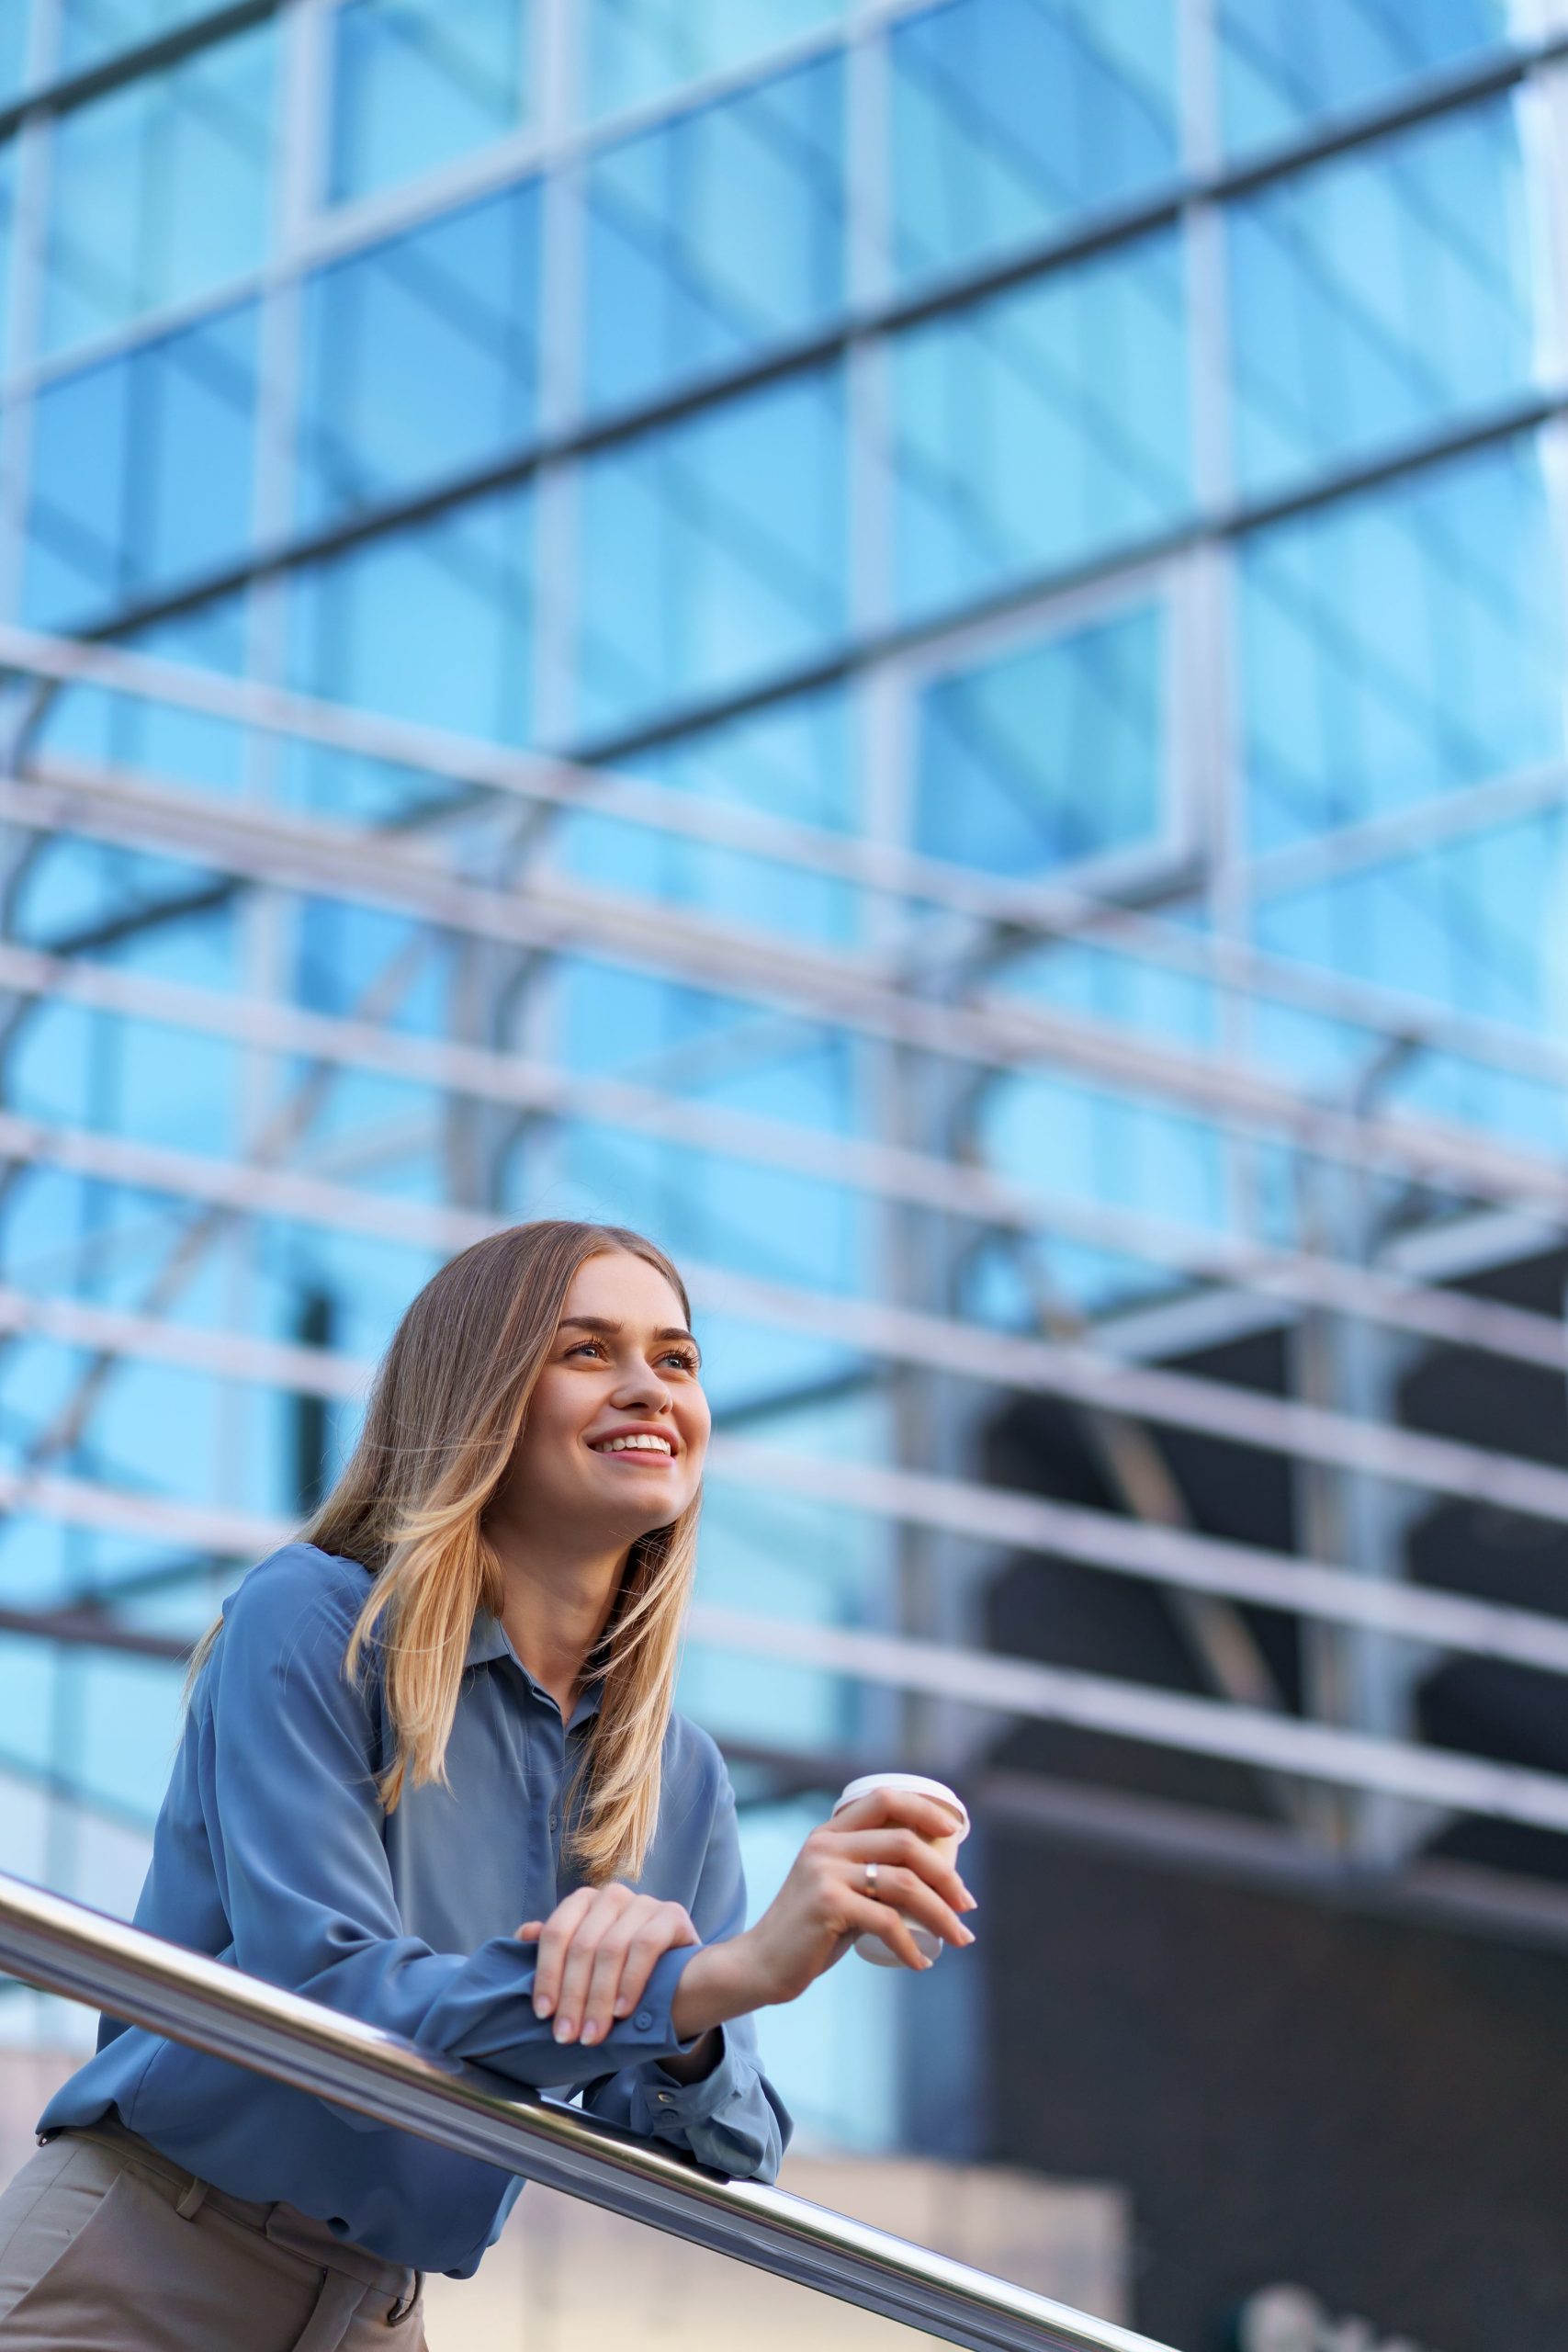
491,1640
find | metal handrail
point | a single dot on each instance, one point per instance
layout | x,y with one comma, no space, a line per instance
67,1948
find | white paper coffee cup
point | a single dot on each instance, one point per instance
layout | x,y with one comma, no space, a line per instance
871,1947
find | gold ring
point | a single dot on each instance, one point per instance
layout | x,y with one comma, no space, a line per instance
870,1878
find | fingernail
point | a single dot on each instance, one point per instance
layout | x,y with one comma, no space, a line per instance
543,2005
564,2029
590,2033
621,2008
966,1934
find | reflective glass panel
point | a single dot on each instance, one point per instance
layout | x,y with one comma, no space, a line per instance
1378,294
93,29
1283,65
141,473
419,357
14,34
1400,645
1100,1144
774,1223
634,49
161,190
8,217
416,83
159,736
1042,426
793,760
431,624
714,235
712,552
1010,118
133,1077
1479,924
1048,755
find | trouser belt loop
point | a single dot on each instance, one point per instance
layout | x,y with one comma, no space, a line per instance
190,2204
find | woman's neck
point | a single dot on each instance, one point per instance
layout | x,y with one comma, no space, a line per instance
555,1605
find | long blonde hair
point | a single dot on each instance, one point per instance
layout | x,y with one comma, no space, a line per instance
445,1414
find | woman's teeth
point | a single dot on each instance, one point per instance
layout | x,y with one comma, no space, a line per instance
635,1445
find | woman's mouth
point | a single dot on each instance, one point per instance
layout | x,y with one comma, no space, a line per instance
634,1449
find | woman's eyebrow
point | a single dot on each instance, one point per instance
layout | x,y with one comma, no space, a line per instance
603,1323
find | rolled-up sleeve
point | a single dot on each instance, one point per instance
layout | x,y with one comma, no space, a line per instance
732,2119
288,1779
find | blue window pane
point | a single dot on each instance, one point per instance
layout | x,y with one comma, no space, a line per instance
161,190
8,218
1401,645
713,1050
1040,427
143,472
125,731
419,82
793,760
713,553
1283,65
1378,294
1474,924
419,357
634,49
431,625
1104,1146
714,235
93,29
1011,117
14,36
1047,756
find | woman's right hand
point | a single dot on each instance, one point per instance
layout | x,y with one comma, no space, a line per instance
823,1905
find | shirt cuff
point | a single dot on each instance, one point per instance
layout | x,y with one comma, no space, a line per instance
650,2024
674,2102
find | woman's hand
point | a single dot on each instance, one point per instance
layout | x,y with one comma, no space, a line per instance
597,1952
823,1905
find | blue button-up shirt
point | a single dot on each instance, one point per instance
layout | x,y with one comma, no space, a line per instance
272,1852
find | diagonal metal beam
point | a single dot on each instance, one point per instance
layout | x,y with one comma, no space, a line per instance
1040,908
992,1033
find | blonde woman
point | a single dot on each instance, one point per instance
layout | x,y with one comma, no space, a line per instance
430,1774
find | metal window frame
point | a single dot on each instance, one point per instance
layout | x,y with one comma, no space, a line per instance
840,989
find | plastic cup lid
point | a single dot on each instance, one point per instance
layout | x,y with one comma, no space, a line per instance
916,1782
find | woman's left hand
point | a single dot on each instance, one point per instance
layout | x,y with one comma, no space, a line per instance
597,1952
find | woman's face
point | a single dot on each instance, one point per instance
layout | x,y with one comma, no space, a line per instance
623,1367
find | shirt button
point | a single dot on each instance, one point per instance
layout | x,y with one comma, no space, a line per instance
643,2019
666,2098
554,1825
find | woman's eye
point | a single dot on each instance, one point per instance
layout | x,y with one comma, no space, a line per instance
671,1355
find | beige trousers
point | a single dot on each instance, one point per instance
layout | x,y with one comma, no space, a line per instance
107,2247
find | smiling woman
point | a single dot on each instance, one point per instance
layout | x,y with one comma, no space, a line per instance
431,1775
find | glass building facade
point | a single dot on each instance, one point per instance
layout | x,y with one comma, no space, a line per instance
916,647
